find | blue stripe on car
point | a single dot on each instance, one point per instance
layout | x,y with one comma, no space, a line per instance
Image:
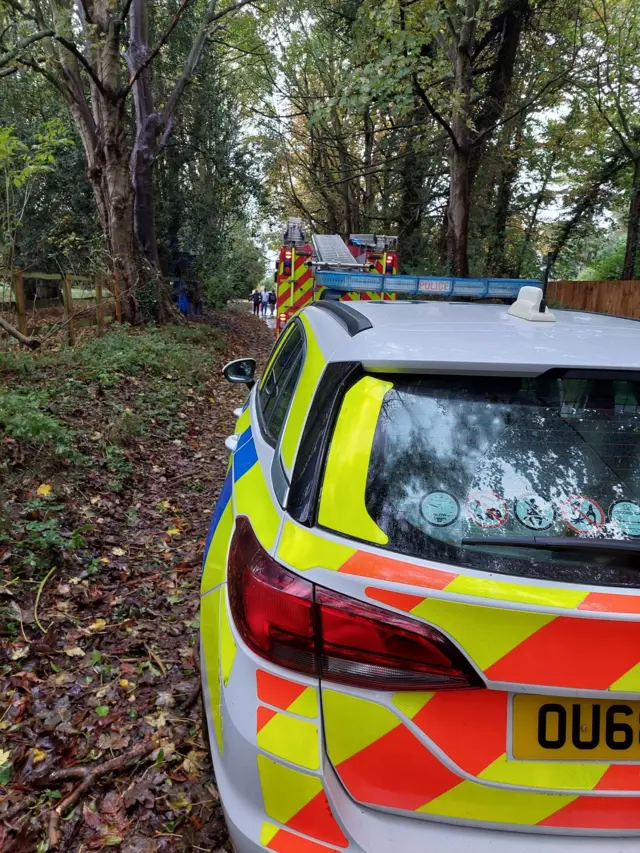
244,458
223,499
244,437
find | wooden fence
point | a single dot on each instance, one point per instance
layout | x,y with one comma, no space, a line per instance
84,298
606,297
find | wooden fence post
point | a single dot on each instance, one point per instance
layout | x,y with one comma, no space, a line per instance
68,308
99,305
18,289
116,294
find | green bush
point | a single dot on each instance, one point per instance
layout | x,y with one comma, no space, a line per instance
22,419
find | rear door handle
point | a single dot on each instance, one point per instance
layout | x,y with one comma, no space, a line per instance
231,442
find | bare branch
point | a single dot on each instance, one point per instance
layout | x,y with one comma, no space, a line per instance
71,47
433,112
191,62
156,50
24,43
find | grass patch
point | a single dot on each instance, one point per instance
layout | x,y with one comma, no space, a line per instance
81,413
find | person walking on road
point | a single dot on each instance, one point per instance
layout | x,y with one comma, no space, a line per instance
265,302
272,302
255,298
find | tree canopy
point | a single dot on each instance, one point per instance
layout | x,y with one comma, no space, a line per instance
489,135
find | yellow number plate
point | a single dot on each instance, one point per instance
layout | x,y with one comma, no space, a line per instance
554,728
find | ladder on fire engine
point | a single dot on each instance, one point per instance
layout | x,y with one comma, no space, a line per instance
294,234
331,252
377,242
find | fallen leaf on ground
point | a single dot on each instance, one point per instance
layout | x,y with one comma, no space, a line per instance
74,652
44,490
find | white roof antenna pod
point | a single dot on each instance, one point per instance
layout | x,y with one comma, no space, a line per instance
530,306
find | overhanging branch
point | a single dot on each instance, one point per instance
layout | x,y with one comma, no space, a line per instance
23,44
433,112
156,50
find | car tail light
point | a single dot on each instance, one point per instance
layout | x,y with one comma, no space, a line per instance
304,627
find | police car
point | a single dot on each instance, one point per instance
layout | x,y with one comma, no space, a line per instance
420,614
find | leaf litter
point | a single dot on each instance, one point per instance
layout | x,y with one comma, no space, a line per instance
102,745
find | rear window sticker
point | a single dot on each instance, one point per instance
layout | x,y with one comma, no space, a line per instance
582,514
626,514
440,508
486,509
534,512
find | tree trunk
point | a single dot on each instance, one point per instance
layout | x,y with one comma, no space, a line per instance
460,149
497,251
458,211
367,160
511,22
633,226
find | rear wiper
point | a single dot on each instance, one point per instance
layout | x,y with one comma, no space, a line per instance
555,543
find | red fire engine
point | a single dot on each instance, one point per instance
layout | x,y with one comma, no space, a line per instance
295,285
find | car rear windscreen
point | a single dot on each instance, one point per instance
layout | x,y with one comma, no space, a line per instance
485,458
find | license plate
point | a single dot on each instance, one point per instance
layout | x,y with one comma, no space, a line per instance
555,728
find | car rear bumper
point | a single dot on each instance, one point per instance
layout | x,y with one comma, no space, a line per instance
365,829
370,831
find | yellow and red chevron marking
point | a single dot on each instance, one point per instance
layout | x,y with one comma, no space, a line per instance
470,729
362,737
297,800
303,549
366,295
531,647
288,695
274,838
286,737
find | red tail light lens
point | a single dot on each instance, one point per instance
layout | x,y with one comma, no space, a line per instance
301,626
271,607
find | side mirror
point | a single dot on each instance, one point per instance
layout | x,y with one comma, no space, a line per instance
240,370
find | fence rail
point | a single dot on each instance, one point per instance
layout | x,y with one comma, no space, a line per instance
605,297
88,290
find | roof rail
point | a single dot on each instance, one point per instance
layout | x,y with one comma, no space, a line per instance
352,320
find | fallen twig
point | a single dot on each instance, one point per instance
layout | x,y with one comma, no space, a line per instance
192,698
38,594
89,776
155,657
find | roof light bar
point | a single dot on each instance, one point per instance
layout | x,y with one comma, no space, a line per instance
497,288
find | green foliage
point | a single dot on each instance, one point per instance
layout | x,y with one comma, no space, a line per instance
239,271
37,537
22,419
22,168
608,264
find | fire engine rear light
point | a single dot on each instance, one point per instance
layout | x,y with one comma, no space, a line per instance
283,318
303,627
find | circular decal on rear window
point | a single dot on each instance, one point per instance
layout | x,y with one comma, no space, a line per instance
534,512
582,514
486,509
627,516
440,508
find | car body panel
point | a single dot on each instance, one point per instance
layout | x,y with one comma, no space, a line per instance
320,767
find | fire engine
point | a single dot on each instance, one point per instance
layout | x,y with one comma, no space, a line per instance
366,268
296,283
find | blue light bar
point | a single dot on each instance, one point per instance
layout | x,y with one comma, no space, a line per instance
480,288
